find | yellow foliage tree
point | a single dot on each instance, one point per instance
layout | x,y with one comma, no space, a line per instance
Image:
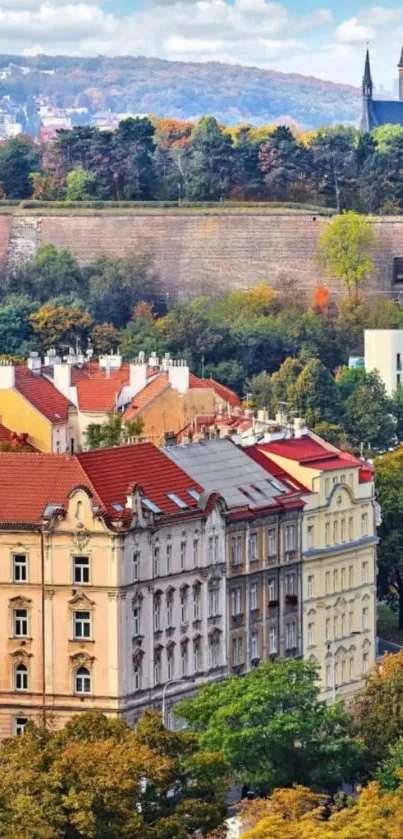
60,325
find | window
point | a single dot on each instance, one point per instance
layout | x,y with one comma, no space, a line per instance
253,596
195,553
20,568
335,580
365,664
81,624
21,677
289,538
343,530
184,606
350,669
136,565
327,534
351,480
237,654
272,589
343,671
157,667
82,680
365,616
364,524
327,487
328,676
343,579
169,558
289,583
310,536
272,640
350,576
81,570
170,663
170,610
254,645
137,675
214,650
351,529
343,479
272,542
196,603
184,659
156,561
327,629
136,620
253,547
183,556
216,549
311,586
236,550
291,636
364,572
214,601
20,622
327,582
210,550
19,725
311,633
335,532
157,613
350,621
236,601
335,626
343,625
398,362
197,655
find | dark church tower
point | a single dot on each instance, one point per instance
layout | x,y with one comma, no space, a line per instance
366,123
400,66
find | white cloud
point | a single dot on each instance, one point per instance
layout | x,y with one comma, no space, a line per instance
354,32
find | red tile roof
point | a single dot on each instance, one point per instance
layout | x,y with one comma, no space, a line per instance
257,454
308,452
113,470
43,395
223,392
98,395
147,394
29,482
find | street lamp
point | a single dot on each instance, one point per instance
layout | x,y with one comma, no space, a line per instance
164,693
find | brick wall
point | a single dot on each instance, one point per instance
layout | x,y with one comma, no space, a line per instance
197,253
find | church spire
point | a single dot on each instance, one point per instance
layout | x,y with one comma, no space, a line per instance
367,85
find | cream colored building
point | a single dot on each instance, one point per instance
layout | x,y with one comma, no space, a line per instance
338,559
384,354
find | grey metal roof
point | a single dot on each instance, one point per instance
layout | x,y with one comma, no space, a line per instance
219,465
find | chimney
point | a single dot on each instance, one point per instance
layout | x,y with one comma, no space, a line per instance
34,363
138,375
51,358
179,376
153,361
62,378
7,375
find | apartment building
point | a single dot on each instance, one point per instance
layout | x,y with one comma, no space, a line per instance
112,570
384,355
338,556
263,551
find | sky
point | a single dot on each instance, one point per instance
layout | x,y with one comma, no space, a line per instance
324,39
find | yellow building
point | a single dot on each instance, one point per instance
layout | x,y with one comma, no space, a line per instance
338,558
30,404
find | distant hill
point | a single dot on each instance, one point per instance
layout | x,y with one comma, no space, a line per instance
232,93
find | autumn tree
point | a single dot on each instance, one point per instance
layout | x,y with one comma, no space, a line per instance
60,326
378,710
345,250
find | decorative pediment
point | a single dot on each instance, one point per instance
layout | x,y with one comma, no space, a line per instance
20,602
137,599
215,632
184,641
20,656
82,659
81,599
138,655
170,590
197,584
170,645
184,587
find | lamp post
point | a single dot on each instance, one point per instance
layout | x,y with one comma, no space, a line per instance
164,693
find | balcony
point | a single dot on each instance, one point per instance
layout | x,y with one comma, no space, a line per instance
291,599
273,604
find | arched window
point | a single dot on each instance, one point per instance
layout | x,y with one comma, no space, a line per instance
83,680
21,677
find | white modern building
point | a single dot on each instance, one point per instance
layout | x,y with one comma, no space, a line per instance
384,354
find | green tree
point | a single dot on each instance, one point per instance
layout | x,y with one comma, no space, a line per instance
81,185
314,395
19,157
116,285
259,391
282,383
286,164
104,337
272,729
211,164
377,710
367,416
52,272
16,333
114,432
345,250
389,485
397,411
133,163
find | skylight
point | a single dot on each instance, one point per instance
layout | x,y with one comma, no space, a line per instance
276,485
177,501
118,507
50,509
151,506
193,494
